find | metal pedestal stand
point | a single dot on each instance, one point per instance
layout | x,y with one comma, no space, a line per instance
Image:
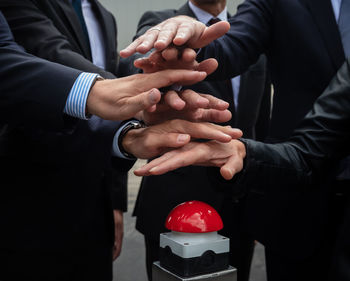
161,274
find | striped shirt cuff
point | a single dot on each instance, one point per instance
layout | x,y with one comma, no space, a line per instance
76,102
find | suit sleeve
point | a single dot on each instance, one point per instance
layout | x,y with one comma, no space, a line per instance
247,39
26,93
311,154
40,37
37,33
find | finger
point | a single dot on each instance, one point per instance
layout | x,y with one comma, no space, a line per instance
168,77
171,54
151,64
213,115
131,48
166,35
156,57
148,40
144,170
233,165
118,233
216,103
210,34
188,31
203,130
117,247
208,66
143,101
159,143
173,99
179,160
188,55
167,162
194,100
145,64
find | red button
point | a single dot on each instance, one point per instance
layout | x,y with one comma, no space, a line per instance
194,217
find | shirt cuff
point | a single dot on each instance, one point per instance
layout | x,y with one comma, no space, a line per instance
76,102
115,147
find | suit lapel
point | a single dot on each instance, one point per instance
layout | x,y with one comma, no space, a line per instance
322,12
75,25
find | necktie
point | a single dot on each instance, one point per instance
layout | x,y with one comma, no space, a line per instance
212,21
78,10
344,25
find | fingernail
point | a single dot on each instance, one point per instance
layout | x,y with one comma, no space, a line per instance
154,169
182,138
153,96
223,103
227,136
201,99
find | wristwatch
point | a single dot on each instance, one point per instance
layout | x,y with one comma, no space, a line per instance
130,125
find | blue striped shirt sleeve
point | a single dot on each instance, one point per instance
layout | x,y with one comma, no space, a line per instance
76,101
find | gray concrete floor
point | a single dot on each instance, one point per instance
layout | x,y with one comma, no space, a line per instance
130,266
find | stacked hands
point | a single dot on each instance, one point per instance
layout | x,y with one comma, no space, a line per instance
176,120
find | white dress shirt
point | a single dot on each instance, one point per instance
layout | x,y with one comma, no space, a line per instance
336,8
205,17
97,46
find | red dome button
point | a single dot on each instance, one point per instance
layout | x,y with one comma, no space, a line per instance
194,217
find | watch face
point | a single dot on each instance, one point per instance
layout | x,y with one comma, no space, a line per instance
136,124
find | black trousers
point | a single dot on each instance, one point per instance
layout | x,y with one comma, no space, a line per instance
241,244
93,265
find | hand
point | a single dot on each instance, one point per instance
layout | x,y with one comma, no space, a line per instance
152,141
228,156
187,105
179,31
175,58
123,98
118,233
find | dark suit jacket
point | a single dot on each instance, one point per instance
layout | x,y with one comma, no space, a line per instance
305,159
158,195
36,77
304,50
51,30
316,146
72,169
319,141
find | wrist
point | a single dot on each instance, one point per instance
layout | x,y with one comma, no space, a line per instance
127,137
92,100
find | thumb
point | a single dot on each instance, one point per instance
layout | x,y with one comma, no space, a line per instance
208,66
211,33
144,100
